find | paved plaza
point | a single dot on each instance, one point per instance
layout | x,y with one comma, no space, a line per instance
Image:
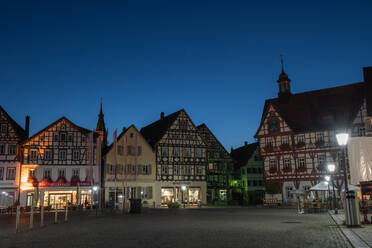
206,227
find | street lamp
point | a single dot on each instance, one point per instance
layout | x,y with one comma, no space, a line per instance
327,178
350,210
331,169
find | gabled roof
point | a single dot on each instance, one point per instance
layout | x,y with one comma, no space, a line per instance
21,133
330,108
123,132
82,129
156,130
242,154
204,126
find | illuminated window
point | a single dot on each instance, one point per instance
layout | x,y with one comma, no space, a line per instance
211,166
12,149
31,173
1,173
10,173
4,128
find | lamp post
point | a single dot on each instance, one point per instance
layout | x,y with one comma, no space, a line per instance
351,213
95,189
331,169
328,178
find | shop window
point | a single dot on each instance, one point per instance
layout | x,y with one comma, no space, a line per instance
31,173
12,149
1,173
10,173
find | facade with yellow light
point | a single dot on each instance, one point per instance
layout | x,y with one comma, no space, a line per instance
11,136
61,165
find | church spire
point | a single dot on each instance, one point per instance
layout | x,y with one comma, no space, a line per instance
283,83
101,127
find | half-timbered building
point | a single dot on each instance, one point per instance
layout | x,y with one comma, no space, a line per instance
297,132
11,136
130,170
60,165
219,167
180,154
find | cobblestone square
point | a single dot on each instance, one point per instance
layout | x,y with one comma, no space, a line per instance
206,227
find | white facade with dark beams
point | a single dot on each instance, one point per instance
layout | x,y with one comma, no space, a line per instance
61,164
180,158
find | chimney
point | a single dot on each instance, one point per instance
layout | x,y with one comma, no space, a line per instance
245,143
367,72
27,125
162,115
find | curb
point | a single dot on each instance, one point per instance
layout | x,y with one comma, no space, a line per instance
352,237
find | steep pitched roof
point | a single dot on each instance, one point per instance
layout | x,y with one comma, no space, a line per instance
319,109
156,130
101,122
204,126
82,129
18,129
242,154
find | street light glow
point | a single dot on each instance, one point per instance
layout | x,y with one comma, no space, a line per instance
327,178
331,167
95,188
342,138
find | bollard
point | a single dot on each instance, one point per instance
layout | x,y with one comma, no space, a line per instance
32,217
42,216
56,215
18,213
66,213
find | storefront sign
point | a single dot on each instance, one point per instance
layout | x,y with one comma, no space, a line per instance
181,183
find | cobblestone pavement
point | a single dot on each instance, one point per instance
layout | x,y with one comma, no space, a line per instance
221,227
364,233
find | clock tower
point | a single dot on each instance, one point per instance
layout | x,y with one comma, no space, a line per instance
283,83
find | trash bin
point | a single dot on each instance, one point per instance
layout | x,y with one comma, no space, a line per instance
351,203
135,206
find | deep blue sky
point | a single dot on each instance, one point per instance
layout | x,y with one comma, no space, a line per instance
217,59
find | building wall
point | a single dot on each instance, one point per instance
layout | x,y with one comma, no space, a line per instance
128,171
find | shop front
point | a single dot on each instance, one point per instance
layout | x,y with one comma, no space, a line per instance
182,194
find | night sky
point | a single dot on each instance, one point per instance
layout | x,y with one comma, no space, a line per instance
219,60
